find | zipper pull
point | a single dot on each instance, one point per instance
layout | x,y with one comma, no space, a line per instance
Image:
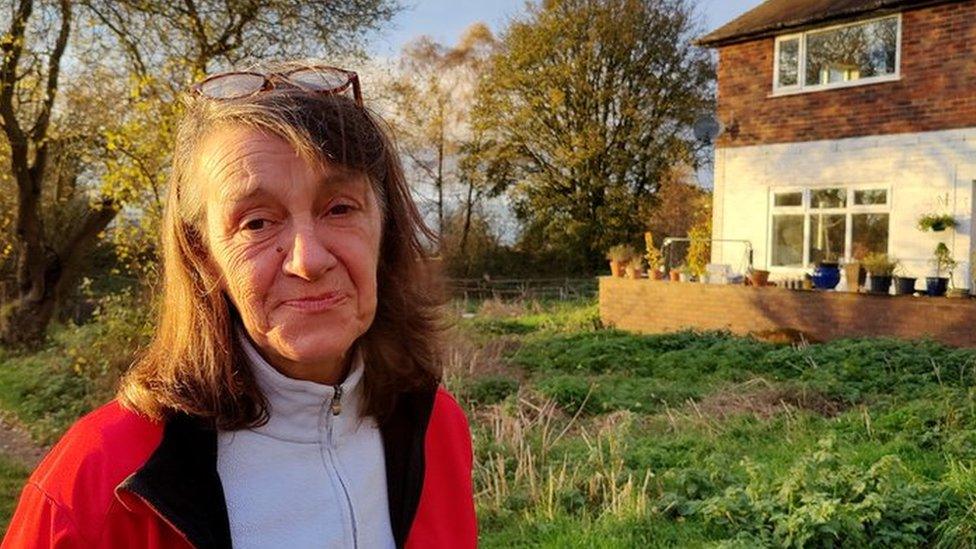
337,400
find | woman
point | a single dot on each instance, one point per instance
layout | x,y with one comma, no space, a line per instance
290,396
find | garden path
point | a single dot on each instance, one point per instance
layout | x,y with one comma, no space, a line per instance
16,445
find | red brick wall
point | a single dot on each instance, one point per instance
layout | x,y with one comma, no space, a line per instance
650,306
937,89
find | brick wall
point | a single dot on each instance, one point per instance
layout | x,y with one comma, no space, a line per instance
935,92
650,306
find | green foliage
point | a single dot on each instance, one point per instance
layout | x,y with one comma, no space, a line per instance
879,264
652,254
622,253
489,389
78,370
579,125
542,317
12,478
103,349
959,483
820,502
943,260
570,392
686,439
700,248
936,222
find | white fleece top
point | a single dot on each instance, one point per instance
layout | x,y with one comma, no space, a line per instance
308,477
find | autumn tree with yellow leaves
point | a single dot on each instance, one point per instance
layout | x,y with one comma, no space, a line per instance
132,57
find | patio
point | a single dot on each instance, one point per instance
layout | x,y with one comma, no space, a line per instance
654,306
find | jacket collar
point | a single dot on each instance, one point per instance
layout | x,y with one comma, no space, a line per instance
180,483
302,410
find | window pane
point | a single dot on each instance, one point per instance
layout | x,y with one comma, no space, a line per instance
789,62
876,196
852,53
827,237
828,198
787,240
788,199
869,233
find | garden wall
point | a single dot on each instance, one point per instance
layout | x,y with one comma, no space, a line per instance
652,306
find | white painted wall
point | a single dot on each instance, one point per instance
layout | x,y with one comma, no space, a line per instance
925,172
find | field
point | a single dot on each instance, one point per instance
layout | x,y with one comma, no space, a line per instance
590,437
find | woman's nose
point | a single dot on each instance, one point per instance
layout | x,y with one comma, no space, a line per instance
309,256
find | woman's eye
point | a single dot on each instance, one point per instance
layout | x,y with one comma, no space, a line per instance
340,209
255,224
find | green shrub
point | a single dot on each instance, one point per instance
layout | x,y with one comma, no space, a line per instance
821,502
855,369
78,370
571,392
489,389
103,349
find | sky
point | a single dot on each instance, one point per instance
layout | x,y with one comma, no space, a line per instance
445,20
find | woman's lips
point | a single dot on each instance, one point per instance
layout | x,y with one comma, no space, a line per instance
317,304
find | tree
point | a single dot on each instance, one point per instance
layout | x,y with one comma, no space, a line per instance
164,45
679,205
431,95
585,107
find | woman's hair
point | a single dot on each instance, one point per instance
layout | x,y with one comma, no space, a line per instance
194,364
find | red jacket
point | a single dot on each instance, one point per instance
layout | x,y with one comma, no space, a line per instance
119,480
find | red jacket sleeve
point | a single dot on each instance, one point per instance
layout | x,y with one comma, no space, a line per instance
40,523
445,516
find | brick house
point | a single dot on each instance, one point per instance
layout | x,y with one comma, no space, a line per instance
845,121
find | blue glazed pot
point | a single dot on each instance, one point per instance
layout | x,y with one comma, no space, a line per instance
826,276
936,286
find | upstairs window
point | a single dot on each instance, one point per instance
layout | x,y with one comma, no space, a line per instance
847,55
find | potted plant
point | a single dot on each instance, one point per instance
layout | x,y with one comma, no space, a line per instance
619,255
944,263
674,274
957,293
881,267
936,222
635,268
758,277
654,258
685,274
854,272
905,285
826,273
699,249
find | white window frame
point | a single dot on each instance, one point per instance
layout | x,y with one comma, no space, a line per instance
806,211
801,87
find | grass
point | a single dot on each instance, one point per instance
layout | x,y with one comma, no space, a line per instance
592,437
12,478
612,439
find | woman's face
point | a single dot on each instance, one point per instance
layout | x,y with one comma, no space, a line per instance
297,246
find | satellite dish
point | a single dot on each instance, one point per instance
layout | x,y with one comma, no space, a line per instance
707,128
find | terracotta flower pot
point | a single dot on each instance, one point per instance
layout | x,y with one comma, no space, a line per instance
674,275
759,278
657,275
616,268
634,273
856,276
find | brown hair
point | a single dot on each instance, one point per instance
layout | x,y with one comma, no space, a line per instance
194,364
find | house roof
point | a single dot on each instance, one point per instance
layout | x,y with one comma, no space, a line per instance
775,16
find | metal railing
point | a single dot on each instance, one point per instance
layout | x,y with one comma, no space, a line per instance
523,288
667,248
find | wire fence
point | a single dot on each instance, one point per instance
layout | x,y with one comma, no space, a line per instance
523,288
